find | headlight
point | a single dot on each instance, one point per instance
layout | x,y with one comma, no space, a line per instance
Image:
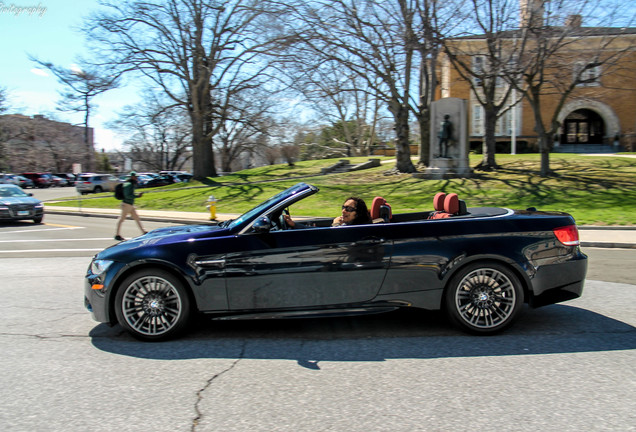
100,266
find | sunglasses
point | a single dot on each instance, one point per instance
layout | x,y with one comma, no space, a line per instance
349,209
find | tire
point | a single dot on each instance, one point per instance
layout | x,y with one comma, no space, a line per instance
38,219
152,305
98,189
484,298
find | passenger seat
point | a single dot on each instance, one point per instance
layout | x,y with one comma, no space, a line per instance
380,210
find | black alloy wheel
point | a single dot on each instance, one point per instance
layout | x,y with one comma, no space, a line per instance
484,298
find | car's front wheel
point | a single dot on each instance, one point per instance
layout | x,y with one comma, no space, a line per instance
152,305
484,298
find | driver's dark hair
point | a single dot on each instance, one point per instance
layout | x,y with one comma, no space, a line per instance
362,212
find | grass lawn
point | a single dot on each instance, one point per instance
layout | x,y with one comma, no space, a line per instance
596,190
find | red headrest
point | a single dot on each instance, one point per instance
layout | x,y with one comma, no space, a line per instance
451,203
375,207
438,201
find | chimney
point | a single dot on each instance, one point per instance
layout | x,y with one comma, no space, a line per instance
574,21
531,13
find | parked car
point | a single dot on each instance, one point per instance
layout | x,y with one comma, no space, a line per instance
40,180
96,183
57,181
162,180
8,179
479,264
172,173
15,204
185,177
67,179
24,182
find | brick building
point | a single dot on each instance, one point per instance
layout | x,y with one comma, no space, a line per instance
43,145
598,116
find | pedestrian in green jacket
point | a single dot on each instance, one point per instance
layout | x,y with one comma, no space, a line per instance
128,205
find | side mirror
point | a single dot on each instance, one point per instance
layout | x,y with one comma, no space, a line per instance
262,225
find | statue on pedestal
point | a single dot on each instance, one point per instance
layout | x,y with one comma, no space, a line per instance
445,135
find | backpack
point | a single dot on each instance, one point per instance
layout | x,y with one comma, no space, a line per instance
119,191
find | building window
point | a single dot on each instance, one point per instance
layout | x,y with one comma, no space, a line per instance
504,123
478,69
478,120
590,74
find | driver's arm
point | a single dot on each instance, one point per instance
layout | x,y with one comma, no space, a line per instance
289,221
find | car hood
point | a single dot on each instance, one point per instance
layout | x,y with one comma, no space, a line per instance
162,237
19,200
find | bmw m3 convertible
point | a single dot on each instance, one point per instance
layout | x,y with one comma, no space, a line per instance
479,264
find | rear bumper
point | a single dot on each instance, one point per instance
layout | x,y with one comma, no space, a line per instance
558,282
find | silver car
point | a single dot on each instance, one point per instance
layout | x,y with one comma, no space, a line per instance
96,183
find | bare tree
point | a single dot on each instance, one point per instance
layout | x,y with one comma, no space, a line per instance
391,46
158,134
4,99
557,55
200,53
3,132
82,85
245,126
367,40
482,55
336,96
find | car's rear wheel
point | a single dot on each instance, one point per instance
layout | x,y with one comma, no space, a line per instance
152,305
484,298
98,189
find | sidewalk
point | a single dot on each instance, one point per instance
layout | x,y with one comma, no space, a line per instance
591,236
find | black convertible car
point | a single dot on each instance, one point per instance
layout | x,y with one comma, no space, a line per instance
478,264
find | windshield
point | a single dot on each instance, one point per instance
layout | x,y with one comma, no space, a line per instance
266,204
6,192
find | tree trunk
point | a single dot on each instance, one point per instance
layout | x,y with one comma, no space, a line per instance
544,142
424,157
202,155
402,145
488,162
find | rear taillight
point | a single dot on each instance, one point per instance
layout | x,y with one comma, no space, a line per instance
568,235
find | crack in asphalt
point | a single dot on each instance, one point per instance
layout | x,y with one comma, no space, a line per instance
199,414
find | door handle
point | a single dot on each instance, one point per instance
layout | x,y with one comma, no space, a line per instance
370,241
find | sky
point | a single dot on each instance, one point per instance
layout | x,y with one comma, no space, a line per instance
47,30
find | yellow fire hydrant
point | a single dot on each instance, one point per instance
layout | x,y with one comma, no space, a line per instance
212,207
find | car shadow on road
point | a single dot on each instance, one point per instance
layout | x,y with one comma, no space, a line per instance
402,334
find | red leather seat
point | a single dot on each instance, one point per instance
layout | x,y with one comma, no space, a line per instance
445,205
380,210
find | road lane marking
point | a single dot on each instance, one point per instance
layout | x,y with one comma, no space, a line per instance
37,230
57,240
63,226
50,250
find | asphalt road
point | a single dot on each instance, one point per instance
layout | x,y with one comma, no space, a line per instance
566,367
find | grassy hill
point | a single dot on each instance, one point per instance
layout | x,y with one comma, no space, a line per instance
598,190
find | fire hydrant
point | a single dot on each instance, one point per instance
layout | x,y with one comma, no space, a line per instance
212,207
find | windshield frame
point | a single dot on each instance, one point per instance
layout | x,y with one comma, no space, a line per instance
281,199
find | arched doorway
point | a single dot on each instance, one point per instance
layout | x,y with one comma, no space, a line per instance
583,126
